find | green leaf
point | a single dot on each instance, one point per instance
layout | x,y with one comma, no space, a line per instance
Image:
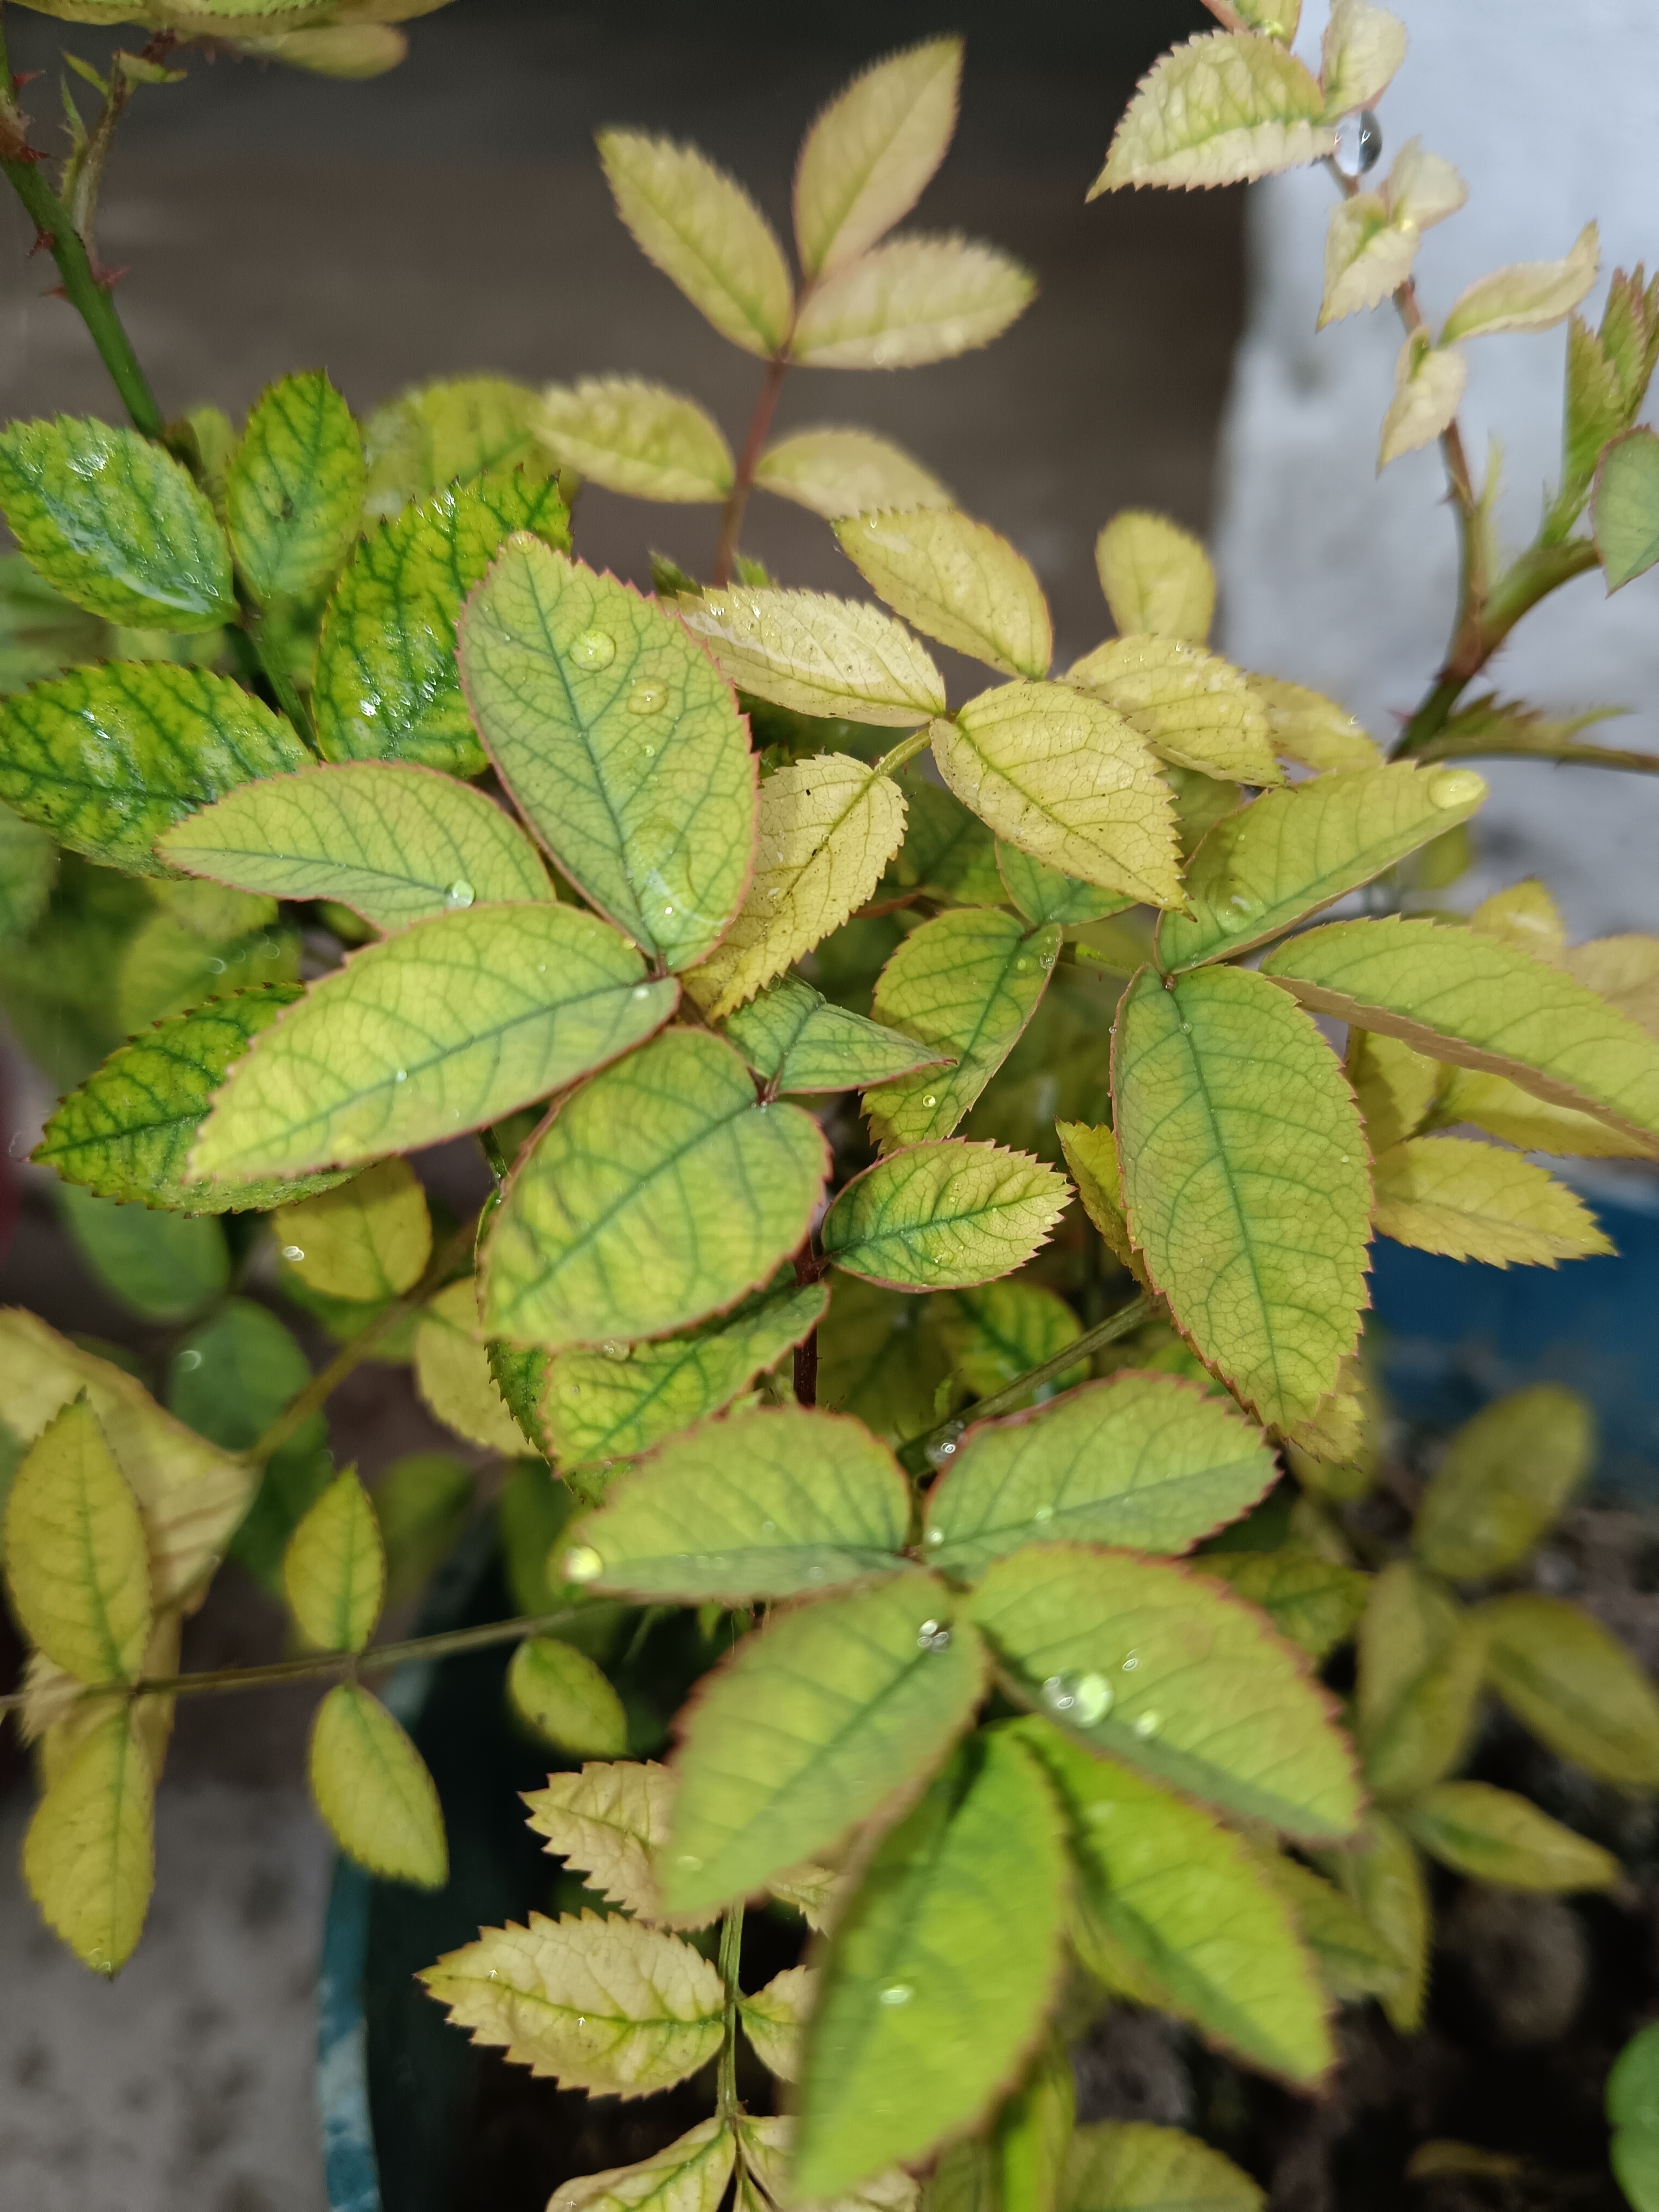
167,968
605,2005
1576,1687
394,843
1210,1701
369,1240
964,984
1032,2134
234,1374
106,758
1312,1602
1156,577
116,524
940,1217
1292,852
1384,1877
768,1503
1420,1682
939,1972
334,1569
1363,48
870,152
818,655
1493,1836
955,580
1042,894
947,853
841,472
29,868
997,1334
1220,110
295,488
1246,1181
566,1700
41,631
879,1359
164,1265
1507,1477
1530,295
1305,727
1195,709
1091,1156
444,1028
454,1375
809,1727
667,1153
1147,1461
638,439
373,1788
76,1566
620,743
705,234
1627,506
913,301
618,1401
89,1853
1067,780
1471,1202
798,1042
422,1503
454,430
1184,1906
1353,1959
1128,2166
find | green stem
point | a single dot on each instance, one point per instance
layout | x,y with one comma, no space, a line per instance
737,499
906,750
731,1953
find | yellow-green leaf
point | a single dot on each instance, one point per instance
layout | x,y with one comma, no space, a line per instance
818,655
76,1566
843,472
955,580
1304,725
944,1216
566,1699
1367,257
1069,782
997,1332
1395,1087
368,1239
454,1375
1308,1599
690,2174
295,488
1420,1682
1624,971
1363,47
636,438
879,1359
1353,1959
1384,1877
704,233
334,1568
89,1853
1471,1202
620,742
1128,2165
1574,1686
1530,295
796,1041
772,2019
373,1788
1091,1156
1191,706
659,1192
1042,894
1222,108
1627,507
1156,577
1493,1836
912,301
453,431
1504,1110
1428,388
1525,913
870,152
609,1822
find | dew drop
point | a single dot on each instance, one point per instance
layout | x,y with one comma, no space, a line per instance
933,1636
1185,1028
1092,1699
613,1348
594,649
944,1447
897,1993
690,1862
931,1099
1148,1723
1022,966
1043,1513
293,1252
1060,1693
1131,1661
582,1564
648,697
816,1575
459,893
1359,144
936,1536
1456,787
642,990
216,967
400,1075
190,1361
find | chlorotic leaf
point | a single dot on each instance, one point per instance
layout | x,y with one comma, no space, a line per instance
818,655
1353,1959
76,1565
1068,780
89,1853
1091,1156
295,488
1504,1110
1396,1087
108,758
452,432
1367,257
1531,295
1245,1181
520,1374
690,2174
1220,110
369,1240
1419,1679
938,1975
1577,1688
566,1700
1384,1877
1148,1462
608,1822
373,1788
453,1371
334,1569
1311,1601
1211,1701
841,472
1156,577
394,843
995,1334
1188,1902
1190,706
1363,47
1129,2166
809,1727
619,741
667,1154
869,155
772,2019
940,1217
798,1042
1304,725
638,439
913,301
1525,913
445,1027
1042,894
1471,1202
955,580
1495,1837
705,234
1625,971
116,524
1627,506
965,985
1428,388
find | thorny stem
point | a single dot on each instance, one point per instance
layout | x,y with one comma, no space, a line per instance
737,499
730,1955
88,178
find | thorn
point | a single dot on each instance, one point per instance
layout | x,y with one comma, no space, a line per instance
108,278
21,78
44,242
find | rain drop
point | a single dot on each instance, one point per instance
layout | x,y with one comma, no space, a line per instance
933,1636
1043,1513
1131,1661
216,967
1456,787
1149,1724
1185,1028
647,697
690,1862
944,1446
1060,1693
897,1993
594,649
1359,144
459,893
936,1536
582,1564
293,1252
190,1361
613,1348
642,990
400,1075
930,1100
1092,1699
1022,966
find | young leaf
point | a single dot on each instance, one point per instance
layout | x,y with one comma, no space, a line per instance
1219,109
334,1569
1363,47
667,1154
451,432
1245,1181
768,1503
996,1333
1493,1836
620,743
1573,1685
386,685
913,301
1069,782
955,580
608,1822
1143,1460
106,758
1367,257
603,2005
1470,1201
1091,1156
869,155
295,488
1210,1701
1042,894
455,1374
1304,727
1182,1903
1531,295
373,1788
369,1240
826,829
164,1265
1353,1959
1503,1110
772,2019
799,1041
1428,388
638,439
1627,507
1156,577
1625,971
599,1407
942,1217
394,843
1420,1682
690,2174
936,1978
818,655
76,1565
1525,913
116,524
705,234
1128,2165
446,1027
89,1853
566,1700
1191,706
1313,1603
964,984
1384,1877
809,1727
1292,852
843,472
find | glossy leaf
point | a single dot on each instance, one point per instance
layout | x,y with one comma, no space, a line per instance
818,655
1044,894
1627,507
1470,1201
1363,47
89,1853
704,233
1428,388
1495,1837
870,152
1156,577
454,1374
798,1042
843,472
956,580
635,438
941,1217
369,1240
1419,1679
913,301
1304,725
1192,707
566,1700
165,1266
451,432
76,1567
1220,110
373,1788
295,488
1129,2166
690,2174
1575,1687
1531,295
1312,1602
334,1569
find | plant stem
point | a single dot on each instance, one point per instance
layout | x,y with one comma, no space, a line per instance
906,750
731,1953
737,499
806,1352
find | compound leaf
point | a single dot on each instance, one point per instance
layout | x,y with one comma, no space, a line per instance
841,473
1493,1836
566,1699
1471,1202
635,438
1220,110
796,1041
89,1853
295,488
1192,706
1627,506
1574,1686
705,234
1310,1601
1128,2165
818,655
334,1569
455,1373
367,1240
76,1564
373,1788
910,301
1419,1680
946,1216
870,152
955,580
690,2174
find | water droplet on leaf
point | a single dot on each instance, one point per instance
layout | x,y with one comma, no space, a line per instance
190,1361
400,1075
1149,1724
293,1252
582,1564
897,1993
1359,144
459,893
1092,1700
594,649
1456,787
647,697
933,1636
930,1100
